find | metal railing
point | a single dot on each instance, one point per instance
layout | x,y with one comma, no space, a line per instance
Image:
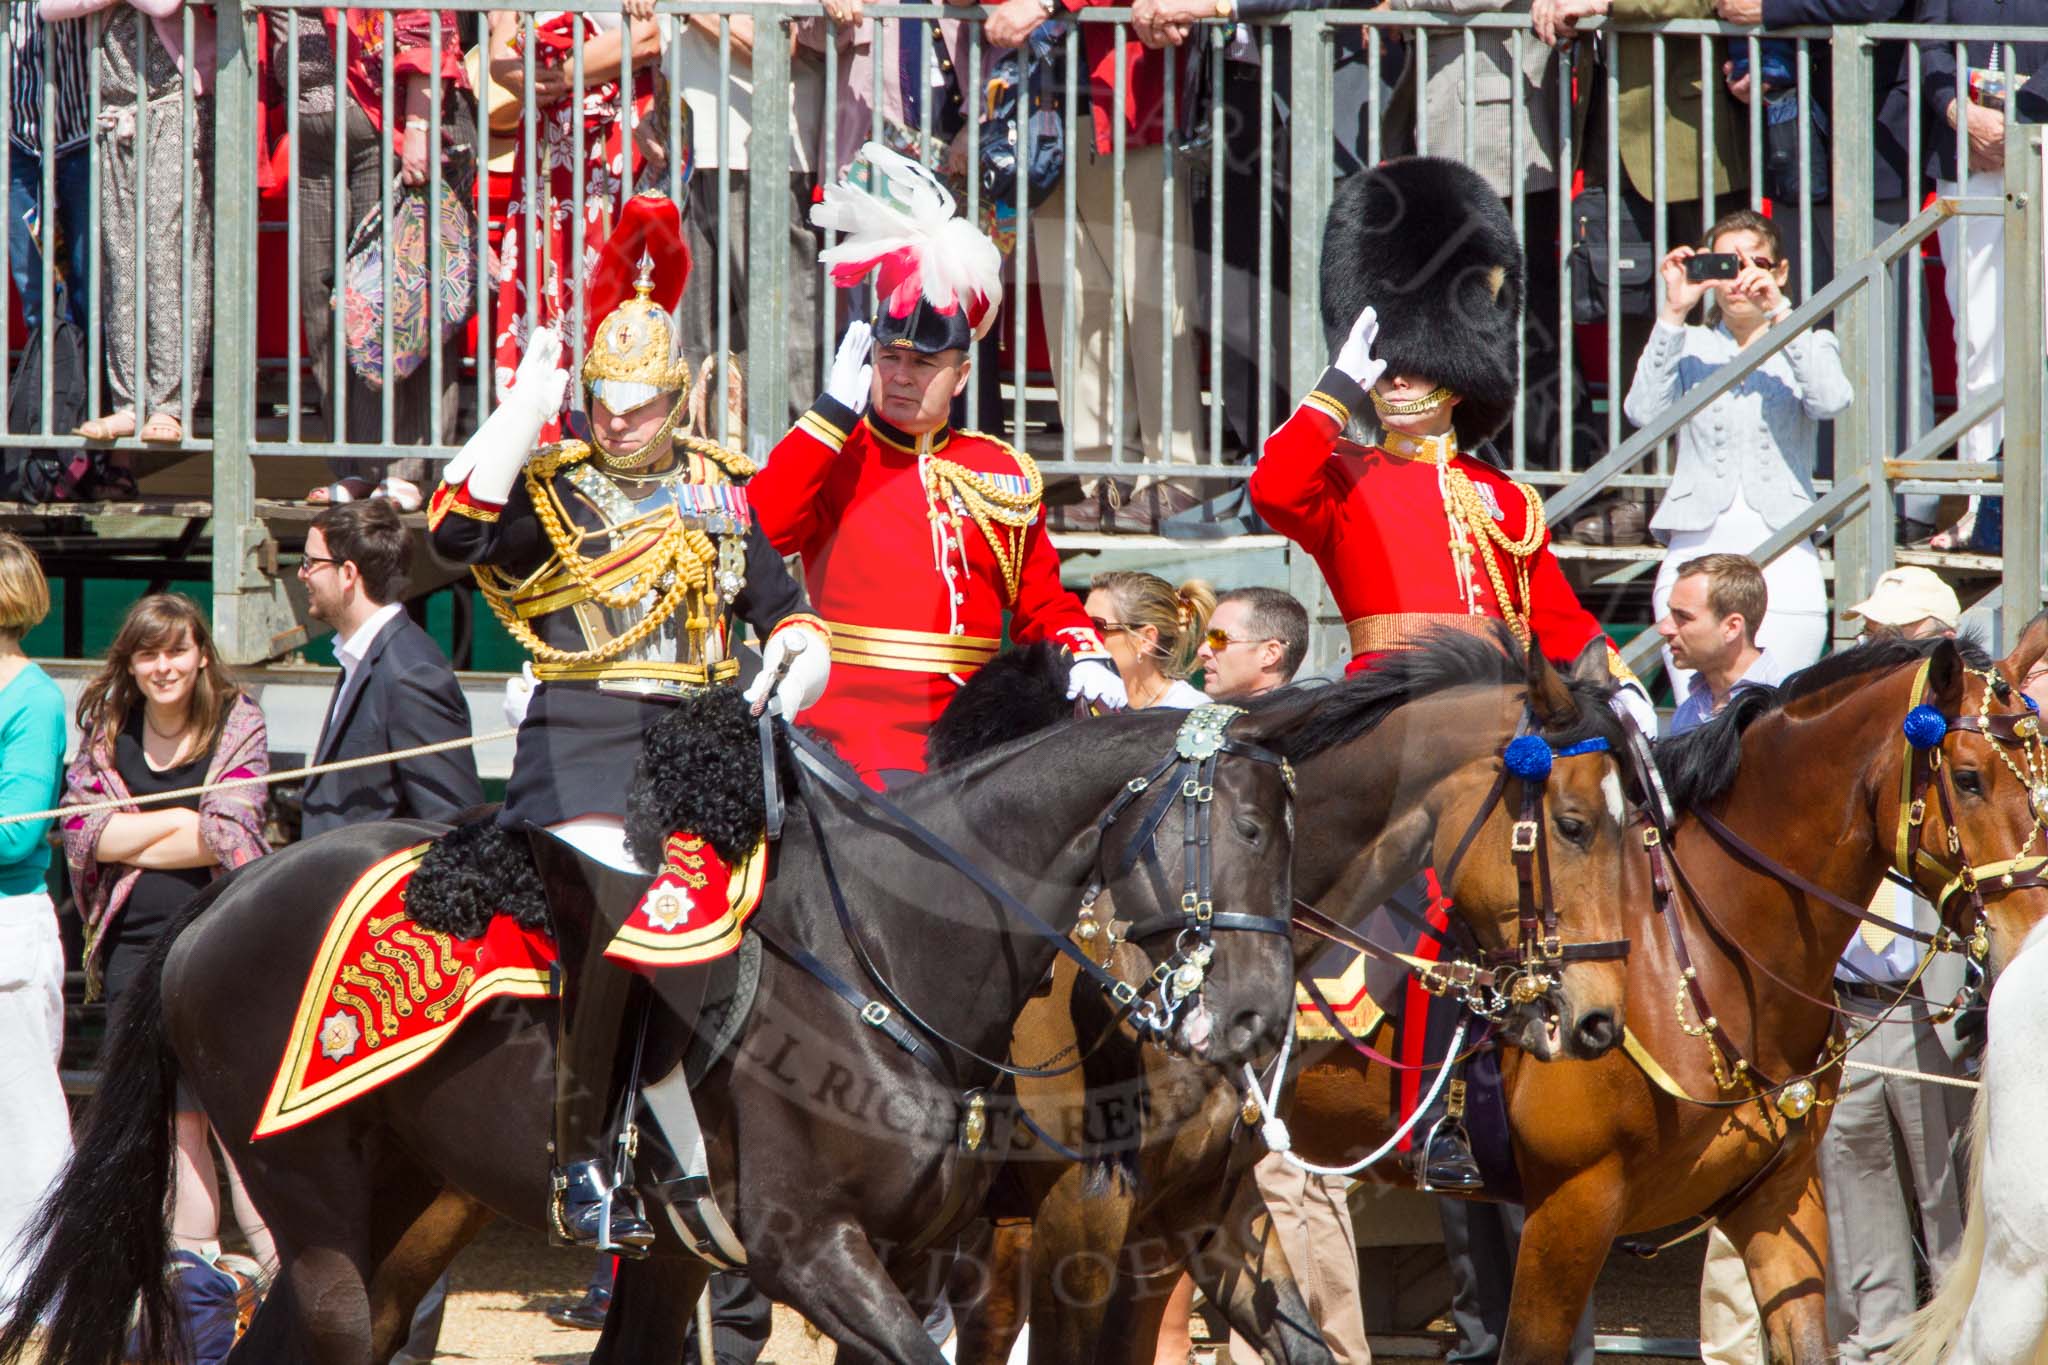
1145,379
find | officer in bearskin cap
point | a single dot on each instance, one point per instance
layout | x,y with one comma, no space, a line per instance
623,564
1422,303
923,545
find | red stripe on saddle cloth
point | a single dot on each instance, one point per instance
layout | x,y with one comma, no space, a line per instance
383,994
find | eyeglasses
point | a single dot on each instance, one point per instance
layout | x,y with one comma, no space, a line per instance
1220,639
308,563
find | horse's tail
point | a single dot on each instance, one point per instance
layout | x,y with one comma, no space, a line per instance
101,1241
1933,1329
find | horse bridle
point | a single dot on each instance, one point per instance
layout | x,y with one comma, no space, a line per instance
1925,729
1189,774
1517,975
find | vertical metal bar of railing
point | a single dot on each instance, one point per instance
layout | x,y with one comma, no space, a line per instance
579,182
1212,52
1020,255
387,410
1615,381
1308,149
1910,266
1119,367
337,241
886,32
96,256
485,351
768,241
51,220
1567,157
722,240
238,583
138,146
1961,235
188,143
1808,206
1265,280
2025,339
1518,118
628,113
974,102
1169,292
294,382
1423,139
7,378
536,187
1756,121
828,169
1070,292
435,265
1863,543
1373,58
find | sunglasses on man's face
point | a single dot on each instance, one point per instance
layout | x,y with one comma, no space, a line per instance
1219,639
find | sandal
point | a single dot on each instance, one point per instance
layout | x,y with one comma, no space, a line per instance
162,429
351,489
113,427
403,492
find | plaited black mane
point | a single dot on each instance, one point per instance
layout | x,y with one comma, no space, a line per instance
1701,764
1348,710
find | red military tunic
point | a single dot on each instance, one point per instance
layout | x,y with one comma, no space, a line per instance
1376,520
913,550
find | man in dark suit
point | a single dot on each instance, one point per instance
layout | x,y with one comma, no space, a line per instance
396,690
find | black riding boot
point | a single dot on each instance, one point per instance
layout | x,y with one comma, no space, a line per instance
591,1206
1447,1160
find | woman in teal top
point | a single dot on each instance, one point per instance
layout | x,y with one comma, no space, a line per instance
35,1131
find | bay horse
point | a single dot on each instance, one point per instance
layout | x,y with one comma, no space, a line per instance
1422,738
1808,782
844,1161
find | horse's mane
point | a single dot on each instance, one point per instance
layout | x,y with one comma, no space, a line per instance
1701,764
1349,710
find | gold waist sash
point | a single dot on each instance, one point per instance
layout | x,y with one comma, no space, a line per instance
910,651
1399,629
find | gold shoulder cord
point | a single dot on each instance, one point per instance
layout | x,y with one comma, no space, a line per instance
685,554
1003,516
1463,501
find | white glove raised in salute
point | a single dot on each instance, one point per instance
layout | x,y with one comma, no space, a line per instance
1096,682
805,665
1354,358
491,460
852,379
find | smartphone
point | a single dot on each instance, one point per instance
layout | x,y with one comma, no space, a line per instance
1712,265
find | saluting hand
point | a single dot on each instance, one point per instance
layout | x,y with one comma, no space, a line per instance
852,380
1355,358
541,381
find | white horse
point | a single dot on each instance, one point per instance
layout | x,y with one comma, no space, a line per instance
1992,1308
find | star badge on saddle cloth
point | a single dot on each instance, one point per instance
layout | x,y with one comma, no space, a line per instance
339,1034
695,908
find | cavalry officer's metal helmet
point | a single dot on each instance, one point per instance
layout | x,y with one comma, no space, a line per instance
634,350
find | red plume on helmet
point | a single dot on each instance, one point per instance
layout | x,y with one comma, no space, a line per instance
650,227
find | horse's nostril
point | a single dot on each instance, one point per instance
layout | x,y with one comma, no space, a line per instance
1596,1032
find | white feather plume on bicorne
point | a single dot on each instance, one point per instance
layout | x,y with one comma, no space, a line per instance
908,236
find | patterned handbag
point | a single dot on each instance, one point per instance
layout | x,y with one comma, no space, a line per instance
415,322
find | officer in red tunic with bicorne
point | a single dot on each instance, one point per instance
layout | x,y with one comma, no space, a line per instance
1422,264
916,538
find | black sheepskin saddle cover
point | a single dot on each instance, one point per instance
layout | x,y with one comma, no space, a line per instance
699,772
1015,694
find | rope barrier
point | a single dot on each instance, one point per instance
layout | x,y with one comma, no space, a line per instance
311,770
1960,1082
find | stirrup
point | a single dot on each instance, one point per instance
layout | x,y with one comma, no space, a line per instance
1447,1160
585,1209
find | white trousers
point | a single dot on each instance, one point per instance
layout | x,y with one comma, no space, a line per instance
35,1127
1973,273
1795,625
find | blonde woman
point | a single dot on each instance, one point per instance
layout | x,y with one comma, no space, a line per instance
35,1131
1152,630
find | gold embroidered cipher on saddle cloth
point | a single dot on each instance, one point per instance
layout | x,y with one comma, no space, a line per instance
384,994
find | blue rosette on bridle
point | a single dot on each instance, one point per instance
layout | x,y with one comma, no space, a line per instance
1925,727
1528,757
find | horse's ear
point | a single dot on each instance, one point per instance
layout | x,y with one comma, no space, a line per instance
1591,665
1945,677
2026,651
1550,696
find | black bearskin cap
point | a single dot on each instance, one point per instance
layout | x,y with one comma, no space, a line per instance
1427,242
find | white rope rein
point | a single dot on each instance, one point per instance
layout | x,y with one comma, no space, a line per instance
1443,1074
1960,1082
311,770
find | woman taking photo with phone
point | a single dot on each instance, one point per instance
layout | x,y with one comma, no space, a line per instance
1745,461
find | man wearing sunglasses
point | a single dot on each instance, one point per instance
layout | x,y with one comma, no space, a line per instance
1256,640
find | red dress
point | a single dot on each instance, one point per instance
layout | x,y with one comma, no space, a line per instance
595,148
914,549
1376,520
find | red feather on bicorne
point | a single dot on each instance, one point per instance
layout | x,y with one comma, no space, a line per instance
649,225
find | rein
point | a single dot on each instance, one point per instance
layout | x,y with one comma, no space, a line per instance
1190,772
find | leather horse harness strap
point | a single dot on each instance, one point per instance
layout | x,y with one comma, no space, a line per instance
1515,975
1925,728
1186,777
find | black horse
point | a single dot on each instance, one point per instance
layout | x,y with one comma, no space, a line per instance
839,1158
